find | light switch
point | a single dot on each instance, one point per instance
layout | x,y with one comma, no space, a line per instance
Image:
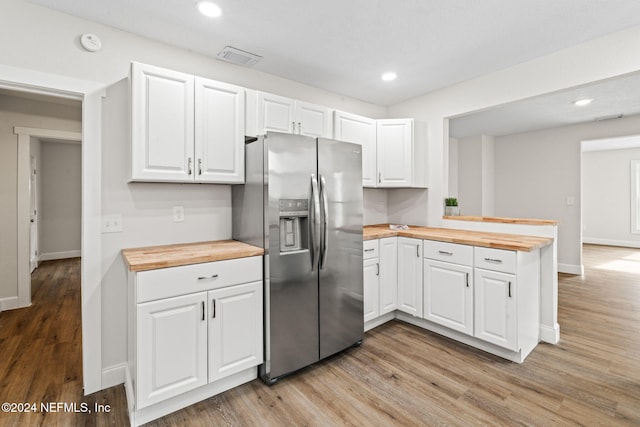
112,223
571,201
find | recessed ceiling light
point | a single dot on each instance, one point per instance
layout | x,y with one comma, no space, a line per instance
582,102
387,77
209,9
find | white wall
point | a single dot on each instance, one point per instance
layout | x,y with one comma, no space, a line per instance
60,188
452,163
374,206
25,113
606,197
535,172
146,208
488,175
603,58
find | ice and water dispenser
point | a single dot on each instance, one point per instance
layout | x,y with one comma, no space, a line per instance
294,218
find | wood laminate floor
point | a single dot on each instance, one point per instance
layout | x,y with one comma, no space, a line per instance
401,376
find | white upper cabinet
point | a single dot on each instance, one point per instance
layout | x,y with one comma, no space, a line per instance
161,124
185,128
219,131
277,113
359,130
395,152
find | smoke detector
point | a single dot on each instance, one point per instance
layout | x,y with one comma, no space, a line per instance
238,57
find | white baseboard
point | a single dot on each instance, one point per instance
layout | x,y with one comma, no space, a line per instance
550,334
8,303
114,375
571,269
58,255
611,242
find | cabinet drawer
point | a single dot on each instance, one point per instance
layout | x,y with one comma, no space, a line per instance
186,279
448,252
495,259
370,248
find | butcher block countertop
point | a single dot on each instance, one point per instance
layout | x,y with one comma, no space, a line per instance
496,219
154,257
514,242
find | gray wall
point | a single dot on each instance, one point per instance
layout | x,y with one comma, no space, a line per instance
535,172
25,113
61,200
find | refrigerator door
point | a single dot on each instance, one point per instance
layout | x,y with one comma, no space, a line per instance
340,289
291,302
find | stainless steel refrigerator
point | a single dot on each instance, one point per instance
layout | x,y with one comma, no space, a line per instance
302,202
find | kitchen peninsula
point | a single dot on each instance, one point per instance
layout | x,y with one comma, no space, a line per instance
481,288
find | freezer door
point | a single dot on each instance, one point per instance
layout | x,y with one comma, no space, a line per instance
291,300
340,289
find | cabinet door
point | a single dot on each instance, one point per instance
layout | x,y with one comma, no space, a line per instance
313,120
219,132
495,308
448,295
172,347
388,274
235,329
161,124
359,130
275,113
395,150
371,291
410,276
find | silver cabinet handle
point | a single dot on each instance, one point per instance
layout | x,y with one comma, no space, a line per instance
418,251
497,261
213,304
369,250
300,128
202,310
509,289
379,176
467,280
189,166
377,268
445,253
199,166
293,127
214,276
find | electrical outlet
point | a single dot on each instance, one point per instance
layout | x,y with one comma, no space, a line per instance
112,223
178,214
571,201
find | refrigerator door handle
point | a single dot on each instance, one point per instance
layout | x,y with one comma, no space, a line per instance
314,214
323,223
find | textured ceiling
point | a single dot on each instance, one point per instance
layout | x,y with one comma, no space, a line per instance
345,45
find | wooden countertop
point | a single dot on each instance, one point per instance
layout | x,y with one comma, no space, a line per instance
154,257
514,242
526,221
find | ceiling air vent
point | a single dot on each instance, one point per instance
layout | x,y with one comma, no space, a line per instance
614,116
239,57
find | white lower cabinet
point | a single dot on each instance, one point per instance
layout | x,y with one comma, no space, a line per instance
196,332
371,288
410,276
448,295
235,329
388,274
172,347
495,308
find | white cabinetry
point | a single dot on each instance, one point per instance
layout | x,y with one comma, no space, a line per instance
172,347
185,128
410,276
359,130
278,113
196,331
388,274
380,280
448,285
395,152
235,329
